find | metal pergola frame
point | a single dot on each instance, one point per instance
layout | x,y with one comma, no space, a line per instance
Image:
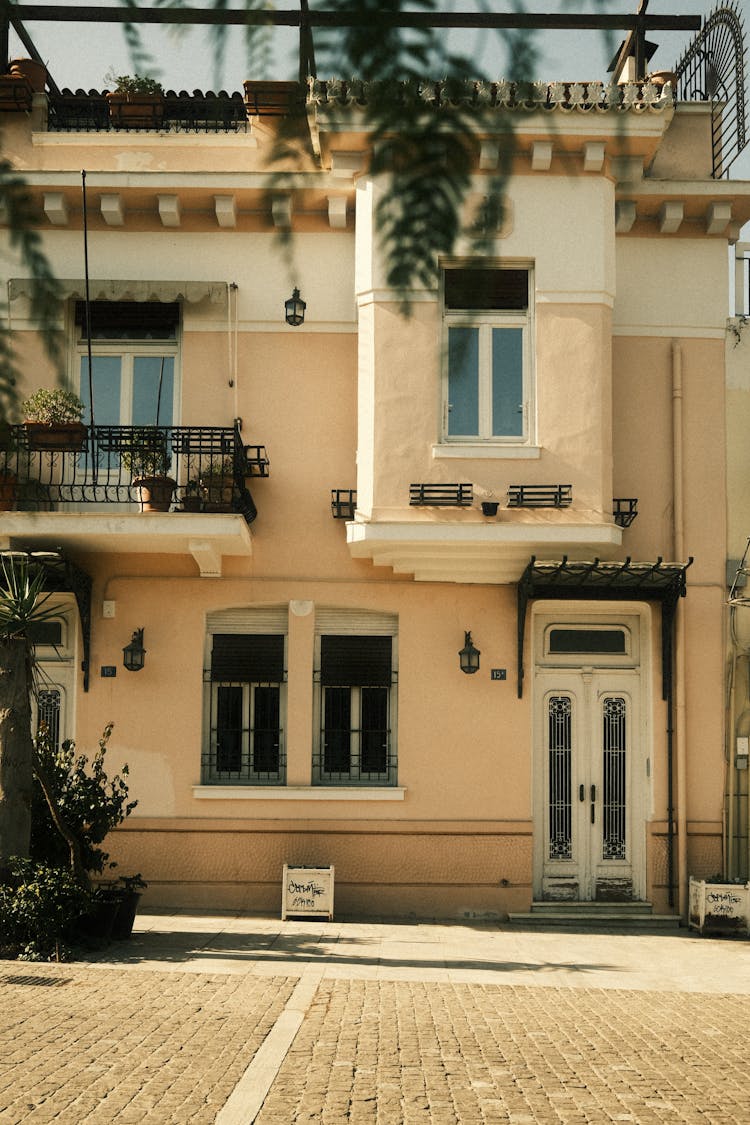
637,25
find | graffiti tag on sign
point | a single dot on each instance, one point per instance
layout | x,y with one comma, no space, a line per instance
307,891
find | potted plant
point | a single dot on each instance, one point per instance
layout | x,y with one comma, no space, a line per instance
128,891
217,481
137,102
147,460
53,420
23,79
192,500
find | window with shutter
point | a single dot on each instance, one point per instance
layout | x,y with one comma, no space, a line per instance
355,685
246,681
487,386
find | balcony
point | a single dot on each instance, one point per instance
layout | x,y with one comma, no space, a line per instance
100,492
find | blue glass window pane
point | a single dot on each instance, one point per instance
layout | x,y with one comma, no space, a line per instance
147,395
107,381
107,384
507,382
463,381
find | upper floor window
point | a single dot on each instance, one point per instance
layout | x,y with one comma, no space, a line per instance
134,356
487,386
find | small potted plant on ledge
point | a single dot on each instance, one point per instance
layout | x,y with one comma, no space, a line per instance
136,102
147,461
217,482
53,420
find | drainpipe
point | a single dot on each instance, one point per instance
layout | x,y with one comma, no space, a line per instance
680,746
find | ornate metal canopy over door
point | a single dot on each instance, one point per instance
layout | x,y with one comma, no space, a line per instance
587,722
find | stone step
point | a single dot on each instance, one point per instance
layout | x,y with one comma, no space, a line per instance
558,907
593,919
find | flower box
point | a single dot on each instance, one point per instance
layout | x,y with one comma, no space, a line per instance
719,907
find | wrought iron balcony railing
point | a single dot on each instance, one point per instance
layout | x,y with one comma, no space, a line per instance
194,468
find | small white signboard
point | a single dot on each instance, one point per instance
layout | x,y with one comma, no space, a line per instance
307,892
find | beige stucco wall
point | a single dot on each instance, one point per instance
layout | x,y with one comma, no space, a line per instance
353,399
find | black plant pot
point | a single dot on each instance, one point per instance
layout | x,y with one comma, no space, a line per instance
489,507
125,916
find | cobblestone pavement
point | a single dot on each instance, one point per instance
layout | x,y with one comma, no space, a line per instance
79,1046
397,1052
395,1024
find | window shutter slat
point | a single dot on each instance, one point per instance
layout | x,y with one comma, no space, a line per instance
248,658
351,661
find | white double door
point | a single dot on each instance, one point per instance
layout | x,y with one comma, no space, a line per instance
588,769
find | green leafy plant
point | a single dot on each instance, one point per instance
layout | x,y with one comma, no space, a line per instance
133,84
39,909
76,802
53,406
218,467
148,455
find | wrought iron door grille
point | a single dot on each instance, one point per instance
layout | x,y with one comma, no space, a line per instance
560,753
614,770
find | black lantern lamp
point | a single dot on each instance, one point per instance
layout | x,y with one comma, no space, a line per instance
469,656
134,654
294,309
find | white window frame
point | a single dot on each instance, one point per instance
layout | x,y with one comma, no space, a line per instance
487,320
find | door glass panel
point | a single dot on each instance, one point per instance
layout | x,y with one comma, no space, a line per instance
507,382
463,381
587,640
559,716
614,764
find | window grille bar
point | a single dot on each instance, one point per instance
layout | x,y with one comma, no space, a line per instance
540,495
441,495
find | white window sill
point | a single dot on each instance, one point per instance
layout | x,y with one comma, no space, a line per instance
486,450
299,792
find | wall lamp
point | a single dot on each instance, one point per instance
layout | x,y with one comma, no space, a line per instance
469,656
134,654
294,309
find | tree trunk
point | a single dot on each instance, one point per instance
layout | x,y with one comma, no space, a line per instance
16,752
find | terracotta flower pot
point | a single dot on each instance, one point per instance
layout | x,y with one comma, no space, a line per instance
155,493
57,437
136,111
34,72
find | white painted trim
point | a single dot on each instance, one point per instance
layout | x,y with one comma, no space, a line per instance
487,451
575,297
141,141
670,331
393,296
298,793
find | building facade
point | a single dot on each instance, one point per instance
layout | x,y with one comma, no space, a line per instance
526,465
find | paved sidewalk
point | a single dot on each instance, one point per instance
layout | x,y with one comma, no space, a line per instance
233,1019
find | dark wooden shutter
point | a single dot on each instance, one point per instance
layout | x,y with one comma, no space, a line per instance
347,661
486,289
248,658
